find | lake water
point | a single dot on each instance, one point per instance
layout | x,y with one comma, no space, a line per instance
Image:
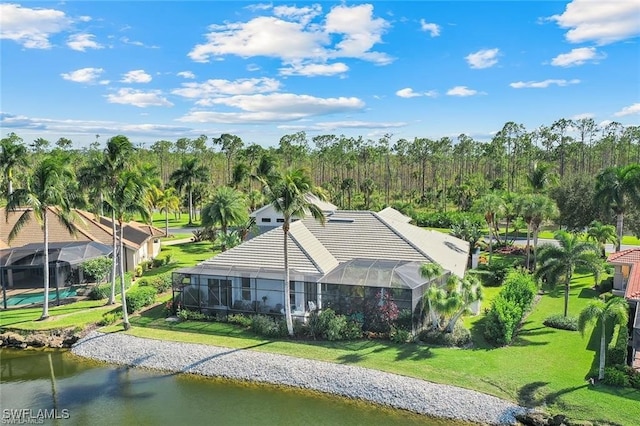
68,390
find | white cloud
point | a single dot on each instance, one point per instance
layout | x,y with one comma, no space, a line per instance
136,76
139,98
433,29
83,75
312,70
81,42
300,14
31,27
484,58
463,91
603,22
577,56
331,126
210,89
583,116
346,32
408,92
186,74
273,107
629,110
543,84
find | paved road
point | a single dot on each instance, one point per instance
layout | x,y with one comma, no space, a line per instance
608,247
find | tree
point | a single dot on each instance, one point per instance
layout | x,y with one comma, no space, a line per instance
127,199
535,209
617,189
347,185
491,206
461,293
46,189
227,207
13,154
229,145
167,201
367,187
602,234
287,196
597,312
540,177
189,173
558,262
431,271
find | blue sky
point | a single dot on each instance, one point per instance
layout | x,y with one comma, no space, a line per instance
166,70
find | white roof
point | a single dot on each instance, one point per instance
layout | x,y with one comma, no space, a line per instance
393,214
324,206
315,249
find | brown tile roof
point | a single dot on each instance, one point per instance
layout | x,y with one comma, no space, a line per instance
629,257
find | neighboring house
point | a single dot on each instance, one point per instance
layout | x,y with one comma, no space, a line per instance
267,217
19,258
626,283
348,264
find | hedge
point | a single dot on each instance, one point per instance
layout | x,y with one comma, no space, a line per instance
139,297
103,291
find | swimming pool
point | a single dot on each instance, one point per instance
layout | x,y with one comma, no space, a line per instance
30,298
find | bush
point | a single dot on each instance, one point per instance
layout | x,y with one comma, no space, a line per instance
102,291
157,262
139,271
605,286
502,321
239,319
265,326
139,297
561,322
404,320
108,318
97,269
400,336
617,350
448,219
168,259
161,282
615,377
460,337
493,274
634,379
330,326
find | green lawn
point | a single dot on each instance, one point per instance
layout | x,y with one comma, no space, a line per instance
175,221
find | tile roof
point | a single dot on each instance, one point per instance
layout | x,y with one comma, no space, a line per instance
393,214
629,257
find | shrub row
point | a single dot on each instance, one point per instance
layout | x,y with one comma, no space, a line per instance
509,307
561,322
447,219
102,291
617,350
621,376
330,326
160,282
460,337
139,297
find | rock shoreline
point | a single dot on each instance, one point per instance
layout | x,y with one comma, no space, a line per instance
43,339
419,396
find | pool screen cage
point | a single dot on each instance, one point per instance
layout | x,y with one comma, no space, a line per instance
373,291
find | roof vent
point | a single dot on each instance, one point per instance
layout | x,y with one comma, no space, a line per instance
341,219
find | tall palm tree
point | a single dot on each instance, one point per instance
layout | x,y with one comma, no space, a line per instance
189,173
491,206
13,154
462,292
617,189
558,262
127,199
602,234
535,209
227,207
431,271
46,189
599,313
167,201
287,195
540,177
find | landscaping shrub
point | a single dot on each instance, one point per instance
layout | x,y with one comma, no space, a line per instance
330,326
102,291
399,335
139,271
380,313
617,350
139,297
561,322
265,326
108,318
493,274
97,269
460,336
188,314
157,262
404,320
161,282
239,319
605,285
634,379
448,219
615,377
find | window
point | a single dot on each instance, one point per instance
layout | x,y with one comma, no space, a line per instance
246,289
280,220
265,220
219,292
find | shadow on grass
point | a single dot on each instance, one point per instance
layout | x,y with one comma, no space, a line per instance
351,358
412,352
533,395
587,293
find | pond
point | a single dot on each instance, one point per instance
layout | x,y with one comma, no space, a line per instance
68,390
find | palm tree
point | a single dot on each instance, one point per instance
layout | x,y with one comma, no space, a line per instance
431,271
347,185
491,206
602,234
167,201
13,154
599,313
618,188
558,262
287,195
127,198
227,207
189,173
540,177
535,209
461,293
368,186
46,189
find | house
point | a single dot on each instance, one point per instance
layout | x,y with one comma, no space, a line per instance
352,262
19,258
267,218
626,283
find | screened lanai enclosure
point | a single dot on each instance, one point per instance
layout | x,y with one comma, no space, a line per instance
22,267
360,287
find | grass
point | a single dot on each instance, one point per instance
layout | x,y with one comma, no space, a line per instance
181,221
78,314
